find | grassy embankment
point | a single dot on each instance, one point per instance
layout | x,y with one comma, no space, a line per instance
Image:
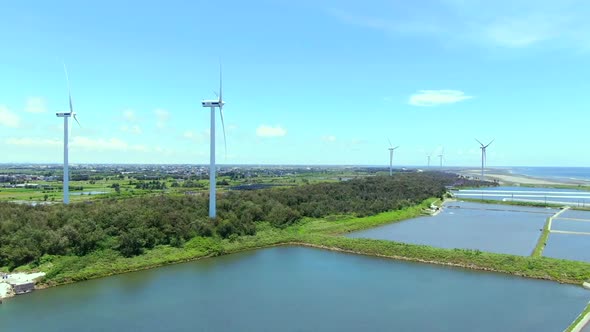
578,319
540,246
319,233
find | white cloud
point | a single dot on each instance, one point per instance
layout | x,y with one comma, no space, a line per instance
162,117
129,116
329,138
8,118
32,142
522,31
78,142
111,144
133,129
357,141
196,136
188,134
437,97
35,105
270,131
500,23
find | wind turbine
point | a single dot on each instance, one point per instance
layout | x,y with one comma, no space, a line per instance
391,149
441,155
212,104
483,148
428,156
66,116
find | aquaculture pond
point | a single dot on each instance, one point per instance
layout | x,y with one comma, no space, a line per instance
540,195
568,246
486,227
299,289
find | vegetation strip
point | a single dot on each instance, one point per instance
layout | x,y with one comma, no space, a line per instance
583,318
542,242
318,233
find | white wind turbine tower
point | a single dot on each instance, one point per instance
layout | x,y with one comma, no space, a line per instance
441,155
483,148
391,149
428,156
212,104
66,116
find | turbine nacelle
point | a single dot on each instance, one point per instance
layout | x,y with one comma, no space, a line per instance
63,114
213,103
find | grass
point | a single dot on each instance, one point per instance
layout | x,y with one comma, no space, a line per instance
346,224
540,246
564,271
68,269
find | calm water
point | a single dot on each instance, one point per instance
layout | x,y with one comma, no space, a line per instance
545,195
576,214
487,227
568,246
571,225
299,289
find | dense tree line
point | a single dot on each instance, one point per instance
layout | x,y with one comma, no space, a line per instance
132,225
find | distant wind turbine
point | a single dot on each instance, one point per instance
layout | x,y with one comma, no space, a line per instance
391,149
441,155
212,104
66,116
428,156
483,148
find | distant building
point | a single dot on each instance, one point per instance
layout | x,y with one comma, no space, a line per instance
22,288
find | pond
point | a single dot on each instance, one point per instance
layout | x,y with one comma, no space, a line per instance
539,195
568,246
299,289
486,227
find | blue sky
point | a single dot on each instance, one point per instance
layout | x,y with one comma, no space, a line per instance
306,82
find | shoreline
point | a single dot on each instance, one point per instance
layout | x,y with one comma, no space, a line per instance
303,243
330,238
521,179
18,278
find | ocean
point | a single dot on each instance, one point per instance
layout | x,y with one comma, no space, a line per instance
560,173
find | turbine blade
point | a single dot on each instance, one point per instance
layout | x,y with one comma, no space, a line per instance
220,85
76,118
69,89
396,147
490,142
479,142
390,145
223,126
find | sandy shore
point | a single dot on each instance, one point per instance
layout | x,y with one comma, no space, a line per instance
17,278
5,290
513,178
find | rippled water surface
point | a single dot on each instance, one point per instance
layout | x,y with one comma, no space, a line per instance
298,289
